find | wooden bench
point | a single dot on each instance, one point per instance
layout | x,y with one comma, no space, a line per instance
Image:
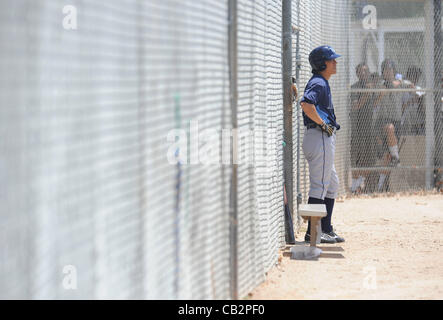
313,212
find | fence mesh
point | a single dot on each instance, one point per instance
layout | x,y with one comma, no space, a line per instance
395,96
85,115
260,185
96,96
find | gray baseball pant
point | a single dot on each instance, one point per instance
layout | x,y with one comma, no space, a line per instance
319,151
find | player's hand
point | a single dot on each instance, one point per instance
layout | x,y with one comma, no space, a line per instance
327,128
294,90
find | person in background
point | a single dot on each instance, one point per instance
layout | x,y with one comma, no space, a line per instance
388,121
361,113
413,113
389,113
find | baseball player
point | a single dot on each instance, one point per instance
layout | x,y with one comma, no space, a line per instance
319,139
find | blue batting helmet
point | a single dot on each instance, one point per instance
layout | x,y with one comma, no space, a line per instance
319,55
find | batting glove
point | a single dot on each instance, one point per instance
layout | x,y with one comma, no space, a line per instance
327,128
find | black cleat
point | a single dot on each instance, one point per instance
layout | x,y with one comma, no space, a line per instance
325,238
337,238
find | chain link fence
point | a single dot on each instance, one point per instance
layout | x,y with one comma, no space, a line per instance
89,94
395,108
260,182
109,111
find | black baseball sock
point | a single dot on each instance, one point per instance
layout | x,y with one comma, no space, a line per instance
313,201
326,221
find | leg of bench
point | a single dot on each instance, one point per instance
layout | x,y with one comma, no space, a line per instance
313,231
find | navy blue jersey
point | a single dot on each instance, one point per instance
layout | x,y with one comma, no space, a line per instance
318,93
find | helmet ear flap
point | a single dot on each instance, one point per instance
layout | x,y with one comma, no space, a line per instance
322,67
317,63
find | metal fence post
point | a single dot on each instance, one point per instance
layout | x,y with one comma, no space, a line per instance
287,101
233,214
437,84
298,110
429,78
349,40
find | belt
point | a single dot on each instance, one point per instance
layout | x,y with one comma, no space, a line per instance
314,125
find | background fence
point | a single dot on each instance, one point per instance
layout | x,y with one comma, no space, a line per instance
91,91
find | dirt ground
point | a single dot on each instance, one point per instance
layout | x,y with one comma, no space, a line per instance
393,250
